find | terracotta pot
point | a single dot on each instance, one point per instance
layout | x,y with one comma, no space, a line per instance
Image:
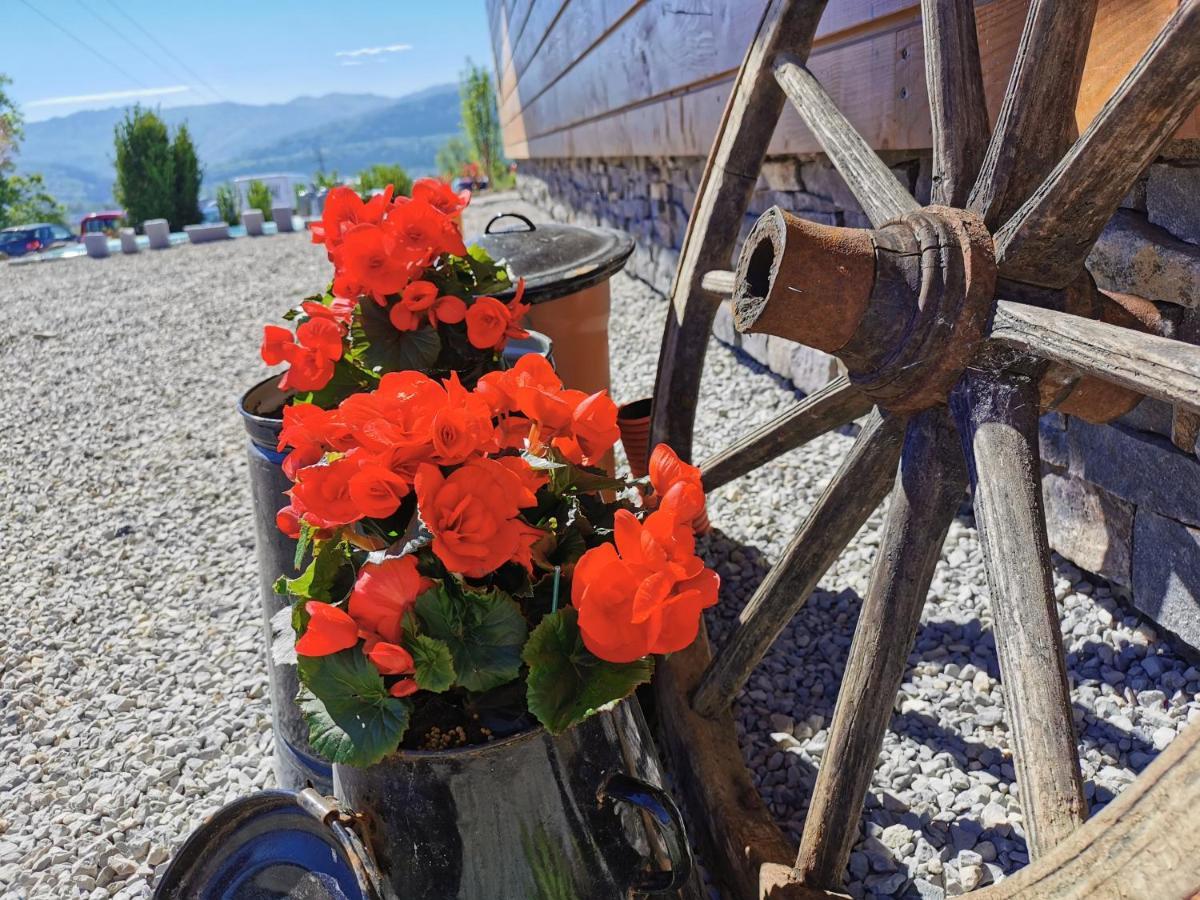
633,421
533,815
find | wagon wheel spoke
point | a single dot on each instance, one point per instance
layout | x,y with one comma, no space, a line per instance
836,404
874,185
1159,367
1048,239
724,194
931,484
997,418
857,488
957,105
1037,119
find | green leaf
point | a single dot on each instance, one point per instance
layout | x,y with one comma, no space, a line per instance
318,580
379,347
566,682
351,718
485,633
434,665
566,477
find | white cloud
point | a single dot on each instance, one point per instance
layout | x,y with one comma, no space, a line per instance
374,51
111,95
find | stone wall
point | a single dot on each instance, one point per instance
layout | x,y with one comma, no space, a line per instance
1122,500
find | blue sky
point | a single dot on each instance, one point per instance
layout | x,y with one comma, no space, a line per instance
249,51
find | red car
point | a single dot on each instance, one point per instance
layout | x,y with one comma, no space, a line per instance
107,222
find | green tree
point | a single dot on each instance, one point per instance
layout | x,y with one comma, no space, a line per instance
481,119
227,204
186,178
380,176
145,167
453,157
23,198
258,196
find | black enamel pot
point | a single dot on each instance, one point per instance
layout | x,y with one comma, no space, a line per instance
581,815
296,764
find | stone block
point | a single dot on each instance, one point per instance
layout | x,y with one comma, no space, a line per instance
1137,257
159,233
755,346
1149,415
812,369
253,220
779,355
1053,434
203,234
96,244
1089,526
1166,573
1173,200
1145,469
129,242
822,179
283,218
781,175
723,328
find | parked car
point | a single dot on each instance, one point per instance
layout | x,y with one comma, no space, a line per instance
18,240
106,222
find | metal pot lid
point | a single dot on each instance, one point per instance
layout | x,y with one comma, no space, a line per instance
555,260
273,844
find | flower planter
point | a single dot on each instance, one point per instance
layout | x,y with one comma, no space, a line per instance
527,816
579,816
566,270
296,765
633,421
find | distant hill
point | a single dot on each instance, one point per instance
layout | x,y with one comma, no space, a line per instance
350,132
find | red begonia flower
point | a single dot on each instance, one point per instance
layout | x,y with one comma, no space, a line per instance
487,323
344,209
384,592
377,490
329,630
321,494
390,659
309,371
440,196
405,687
371,261
277,344
472,514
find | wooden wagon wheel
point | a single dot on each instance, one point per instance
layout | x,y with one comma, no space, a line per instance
957,324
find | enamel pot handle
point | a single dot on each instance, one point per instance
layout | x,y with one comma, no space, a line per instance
659,807
487,229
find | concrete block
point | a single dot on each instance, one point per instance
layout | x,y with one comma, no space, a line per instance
129,242
755,346
812,369
159,233
203,234
253,220
1137,257
781,175
1053,434
1149,415
1145,469
1166,573
1089,526
822,179
779,355
96,244
723,328
1173,200
283,218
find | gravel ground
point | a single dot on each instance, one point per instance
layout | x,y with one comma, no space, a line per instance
133,697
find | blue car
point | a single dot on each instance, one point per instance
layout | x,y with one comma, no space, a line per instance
21,239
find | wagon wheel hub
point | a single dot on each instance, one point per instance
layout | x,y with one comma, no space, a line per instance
906,306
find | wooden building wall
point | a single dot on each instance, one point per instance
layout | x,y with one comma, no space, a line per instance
651,77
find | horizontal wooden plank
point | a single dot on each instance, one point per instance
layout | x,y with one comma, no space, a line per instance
868,55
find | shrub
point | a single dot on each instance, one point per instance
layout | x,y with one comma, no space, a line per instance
379,176
186,177
145,167
258,196
227,204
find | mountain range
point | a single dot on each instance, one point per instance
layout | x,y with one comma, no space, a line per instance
342,132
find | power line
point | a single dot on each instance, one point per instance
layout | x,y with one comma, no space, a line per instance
86,45
186,68
90,7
